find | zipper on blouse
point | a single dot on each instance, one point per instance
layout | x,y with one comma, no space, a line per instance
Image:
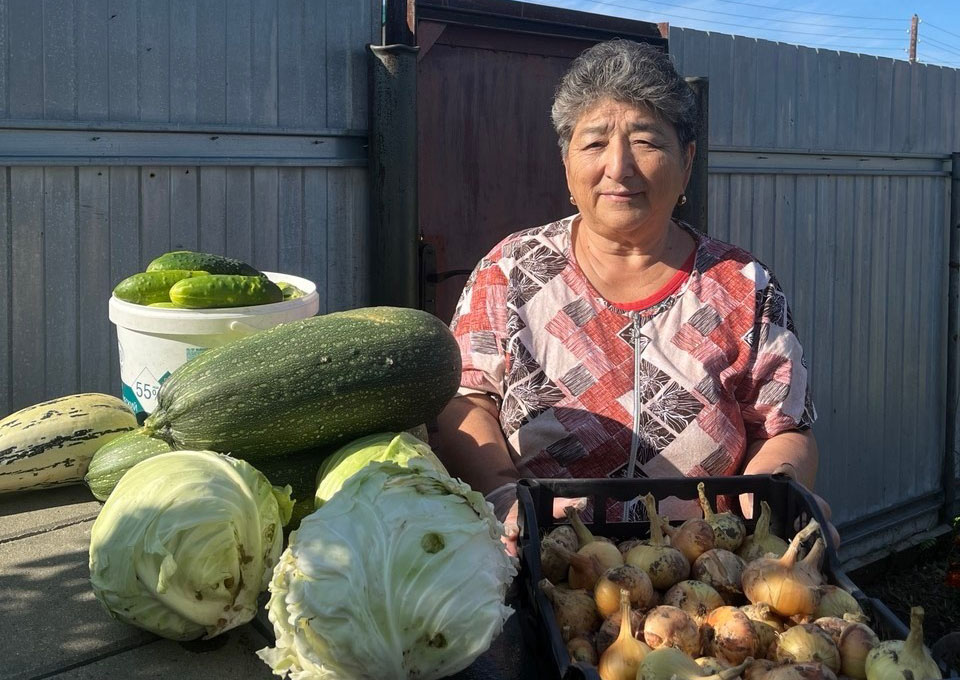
635,436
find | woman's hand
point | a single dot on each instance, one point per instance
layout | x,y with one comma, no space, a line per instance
512,529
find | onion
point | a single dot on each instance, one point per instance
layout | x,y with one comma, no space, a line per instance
758,669
721,569
667,663
585,568
664,565
782,583
806,643
728,529
734,637
812,561
761,612
574,610
894,659
621,660
711,664
856,641
696,598
835,601
800,671
583,533
582,650
832,626
553,565
761,542
692,538
633,579
624,546
766,637
610,629
667,626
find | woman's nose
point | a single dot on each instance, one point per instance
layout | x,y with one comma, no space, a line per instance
619,161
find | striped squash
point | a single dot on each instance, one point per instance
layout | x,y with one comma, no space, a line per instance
51,443
317,382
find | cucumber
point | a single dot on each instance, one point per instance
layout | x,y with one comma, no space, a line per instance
315,382
147,288
113,459
290,291
208,262
224,290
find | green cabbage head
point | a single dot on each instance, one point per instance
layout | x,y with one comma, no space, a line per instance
186,542
346,461
399,575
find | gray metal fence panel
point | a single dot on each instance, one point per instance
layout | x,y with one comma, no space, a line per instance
131,128
854,222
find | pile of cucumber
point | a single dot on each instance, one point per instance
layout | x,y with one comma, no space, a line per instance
184,279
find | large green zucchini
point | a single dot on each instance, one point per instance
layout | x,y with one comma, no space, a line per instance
316,382
112,460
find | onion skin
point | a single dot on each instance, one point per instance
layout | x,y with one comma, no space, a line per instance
664,565
835,601
582,650
633,579
728,529
812,561
734,637
758,669
832,626
625,546
693,538
622,659
766,637
782,583
761,542
575,610
667,663
800,671
610,629
711,664
565,536
722,570
903,659
667,626
807,643
761,612
583,533
856,642
553,565
696,598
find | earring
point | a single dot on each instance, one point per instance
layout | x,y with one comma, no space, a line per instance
573,200
682,200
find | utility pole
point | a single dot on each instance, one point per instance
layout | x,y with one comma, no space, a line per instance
914,22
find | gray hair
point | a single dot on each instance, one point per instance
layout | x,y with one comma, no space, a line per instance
628,72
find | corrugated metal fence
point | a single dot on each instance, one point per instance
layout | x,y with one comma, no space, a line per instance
833,168
131,128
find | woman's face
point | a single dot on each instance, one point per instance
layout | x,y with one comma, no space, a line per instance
625,168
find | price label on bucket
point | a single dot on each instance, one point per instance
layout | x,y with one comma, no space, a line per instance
142,394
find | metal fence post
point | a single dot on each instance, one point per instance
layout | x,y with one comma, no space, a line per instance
952,442
393,175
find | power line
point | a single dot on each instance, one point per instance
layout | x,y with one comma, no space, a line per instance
738,25
942,46
803,11
738,16
927,23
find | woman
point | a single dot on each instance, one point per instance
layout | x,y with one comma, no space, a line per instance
619,342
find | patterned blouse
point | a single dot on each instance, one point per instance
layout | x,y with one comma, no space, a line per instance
588,389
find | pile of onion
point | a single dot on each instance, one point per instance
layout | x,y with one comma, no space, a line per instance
685,605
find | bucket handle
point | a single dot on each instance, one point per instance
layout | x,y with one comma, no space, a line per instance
243,329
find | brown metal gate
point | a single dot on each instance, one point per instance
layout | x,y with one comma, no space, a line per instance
488,160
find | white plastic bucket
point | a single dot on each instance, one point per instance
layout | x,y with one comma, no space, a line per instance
155,341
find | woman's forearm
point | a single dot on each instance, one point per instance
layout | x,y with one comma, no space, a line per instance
471,444
796,449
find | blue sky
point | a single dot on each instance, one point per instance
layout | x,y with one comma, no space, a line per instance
879,27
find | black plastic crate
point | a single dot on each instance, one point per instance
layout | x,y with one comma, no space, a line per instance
790,505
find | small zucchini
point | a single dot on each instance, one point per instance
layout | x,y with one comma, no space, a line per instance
147,288
208,262
224,290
